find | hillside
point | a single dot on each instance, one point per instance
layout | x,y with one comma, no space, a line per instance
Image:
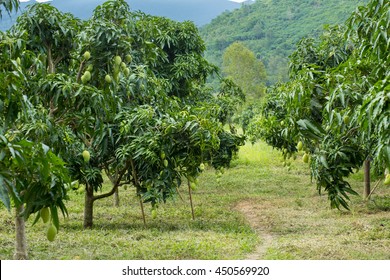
271,28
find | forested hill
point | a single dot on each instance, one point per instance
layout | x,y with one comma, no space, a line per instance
271,28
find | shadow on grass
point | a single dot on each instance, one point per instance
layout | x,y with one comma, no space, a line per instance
161,226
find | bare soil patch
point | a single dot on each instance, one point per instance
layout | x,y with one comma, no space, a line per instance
253,212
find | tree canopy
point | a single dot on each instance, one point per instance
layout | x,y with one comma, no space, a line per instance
337,102
122,93
241,65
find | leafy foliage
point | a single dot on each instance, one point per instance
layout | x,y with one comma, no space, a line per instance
271,29
130,89
241,65
30,173
336,102
9,6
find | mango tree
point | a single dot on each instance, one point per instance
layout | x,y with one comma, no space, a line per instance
116,70
369,27
335,106
32,176
158,76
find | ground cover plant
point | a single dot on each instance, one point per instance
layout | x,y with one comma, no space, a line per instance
250,212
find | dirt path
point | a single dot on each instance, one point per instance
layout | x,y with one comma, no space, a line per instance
260,223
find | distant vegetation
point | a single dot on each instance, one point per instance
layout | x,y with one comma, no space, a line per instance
272,28
241,65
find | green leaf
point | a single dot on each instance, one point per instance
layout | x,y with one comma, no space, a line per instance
54,216
311,129
324,161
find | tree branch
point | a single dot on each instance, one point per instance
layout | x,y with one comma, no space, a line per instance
115,187
134,173
80,71
58,59
124,183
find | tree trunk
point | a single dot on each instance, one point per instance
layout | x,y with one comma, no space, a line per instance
116,198
50,61
88,207
141,203
190,194
21,242
367,179
90,198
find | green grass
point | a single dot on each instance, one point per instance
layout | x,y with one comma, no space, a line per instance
257,210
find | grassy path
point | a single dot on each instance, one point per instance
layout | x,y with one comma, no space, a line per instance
294,222
253,215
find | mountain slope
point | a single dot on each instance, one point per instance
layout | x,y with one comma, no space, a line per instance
271,28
